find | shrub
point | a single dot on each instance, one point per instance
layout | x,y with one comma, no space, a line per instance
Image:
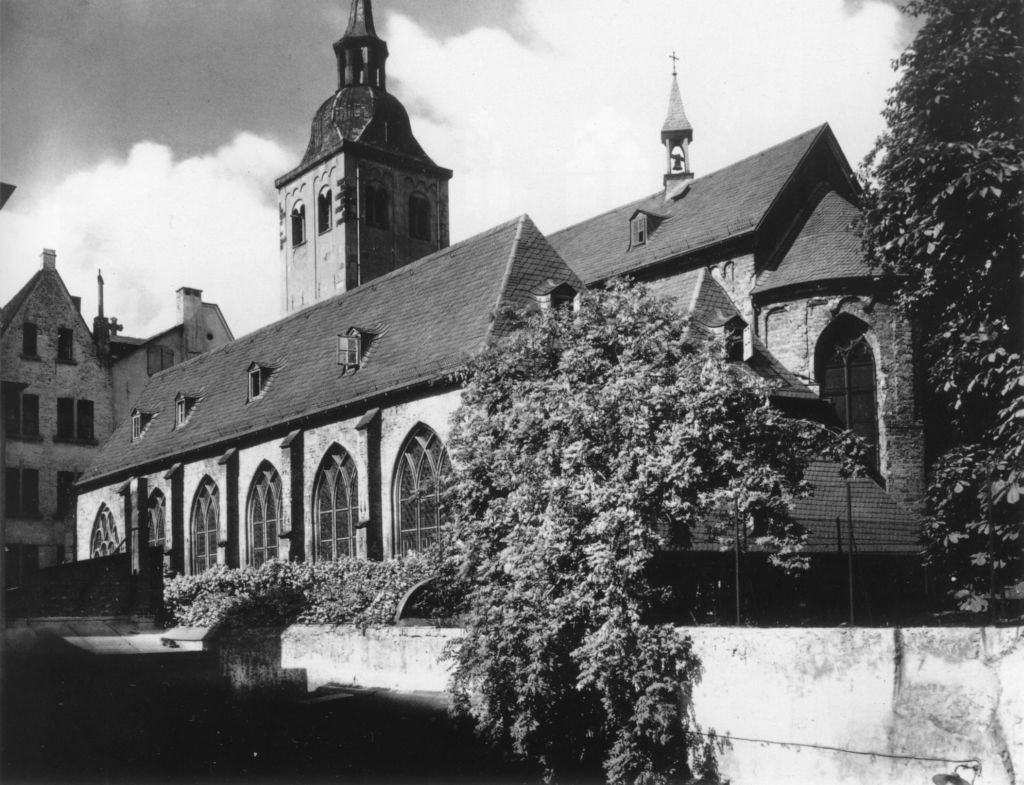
346,591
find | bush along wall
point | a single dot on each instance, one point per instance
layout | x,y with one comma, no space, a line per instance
276,594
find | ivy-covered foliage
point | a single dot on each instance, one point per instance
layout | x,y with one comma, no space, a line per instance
943,214
346,591
585,441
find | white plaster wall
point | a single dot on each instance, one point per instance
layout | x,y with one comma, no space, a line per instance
193,473
817,706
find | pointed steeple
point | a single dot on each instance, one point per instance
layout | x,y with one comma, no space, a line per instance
676,135
361,53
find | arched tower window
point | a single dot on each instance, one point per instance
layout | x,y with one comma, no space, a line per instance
157,519
335,505
264,514
377,205
105,541
298,224
205,519
419,217
845,369
324,202
421,476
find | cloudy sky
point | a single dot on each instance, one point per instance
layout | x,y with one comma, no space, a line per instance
144,136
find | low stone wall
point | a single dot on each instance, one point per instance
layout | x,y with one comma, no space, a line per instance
394,658
800,705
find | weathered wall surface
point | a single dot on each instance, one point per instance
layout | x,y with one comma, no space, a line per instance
825,695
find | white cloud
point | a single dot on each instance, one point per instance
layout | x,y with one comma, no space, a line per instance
154,224
569,125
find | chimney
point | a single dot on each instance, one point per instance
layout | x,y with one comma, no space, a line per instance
49,257
100,326
190,317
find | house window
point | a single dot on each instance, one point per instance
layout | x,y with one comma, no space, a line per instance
350,349
846,372
65,493
421,477
158,358
65,345
298,224
85,430
157,519
29,343
21,492
264,514
335,505
65,418
419,217
324,203
638,230
105,541
21,413
205,520
67,409
377,205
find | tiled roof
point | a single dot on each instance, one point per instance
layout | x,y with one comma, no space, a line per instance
722,205
827,248
427,319
879,524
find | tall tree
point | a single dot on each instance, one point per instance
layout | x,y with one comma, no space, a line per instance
944,216
584,441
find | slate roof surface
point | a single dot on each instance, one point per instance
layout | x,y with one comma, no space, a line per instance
724,204
827,247
676,119
879,524
427,319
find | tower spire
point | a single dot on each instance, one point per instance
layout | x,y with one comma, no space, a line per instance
361,53
676,135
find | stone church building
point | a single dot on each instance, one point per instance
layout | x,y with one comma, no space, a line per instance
324,433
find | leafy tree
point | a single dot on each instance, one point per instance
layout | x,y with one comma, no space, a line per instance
585,441
944,215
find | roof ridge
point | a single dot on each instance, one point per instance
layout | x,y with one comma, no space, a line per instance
507,272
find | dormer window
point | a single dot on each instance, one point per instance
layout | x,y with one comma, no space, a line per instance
256,381
183,406
638,230
350,349
140,421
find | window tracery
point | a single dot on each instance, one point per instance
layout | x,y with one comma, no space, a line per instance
336,506
421,478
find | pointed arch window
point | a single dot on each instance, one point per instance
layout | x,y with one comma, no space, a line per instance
421,477
105,540
845,369
264,514
336,506
298,224
157,519
377,205
324,202
419,217
205,526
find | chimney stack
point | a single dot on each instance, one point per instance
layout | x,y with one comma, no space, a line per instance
190,316
49,257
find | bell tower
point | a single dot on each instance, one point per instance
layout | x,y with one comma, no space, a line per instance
676,135
365,199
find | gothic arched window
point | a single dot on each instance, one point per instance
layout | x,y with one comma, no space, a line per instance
298,224
421,477
324,202
157,519
845,369
264,514
205,519
419,217
105,539
377,205
335,506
